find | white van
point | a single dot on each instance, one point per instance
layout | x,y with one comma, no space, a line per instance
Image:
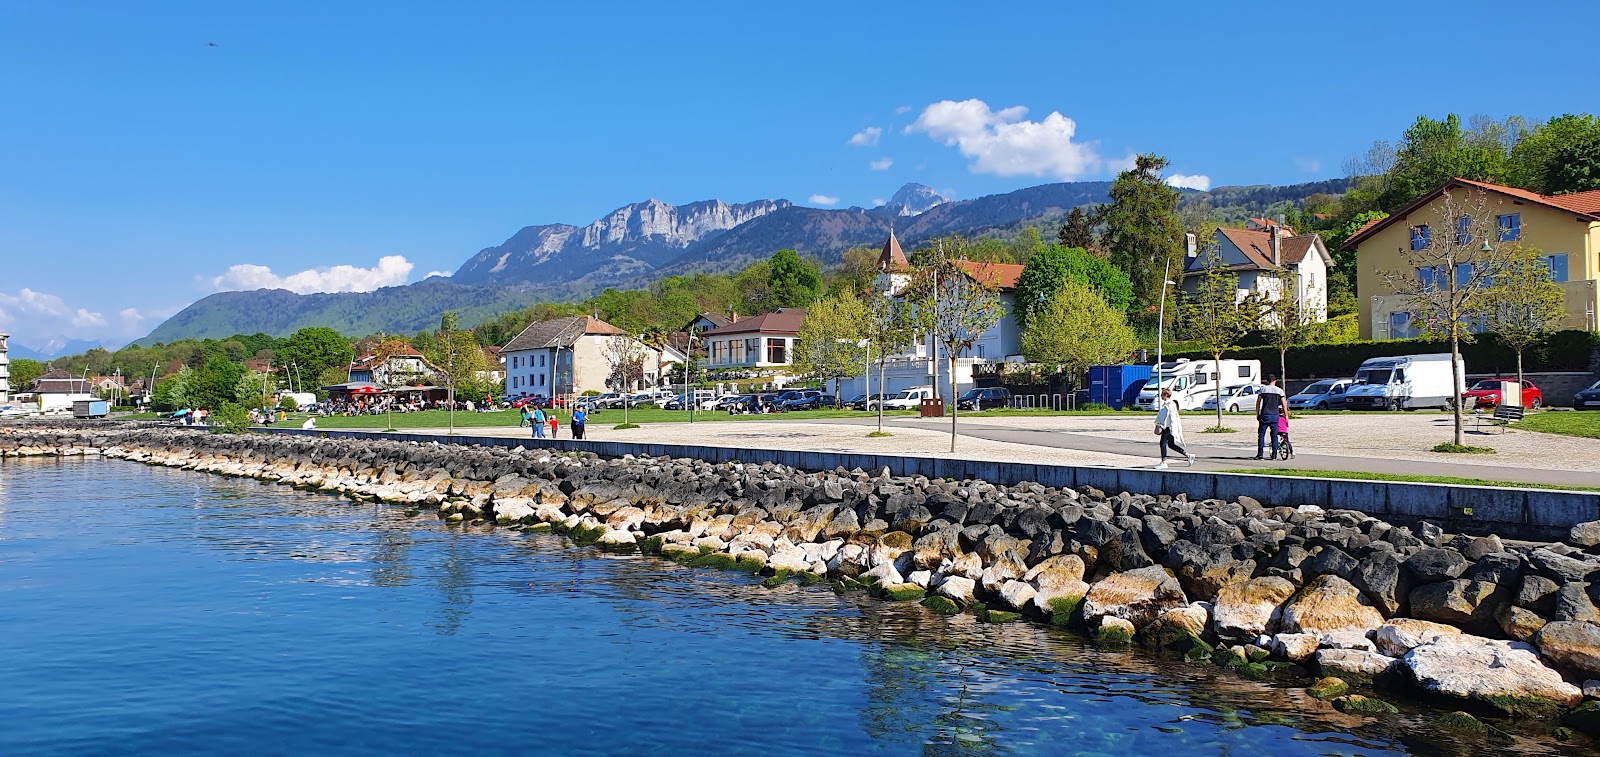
1192,381
910,399
1405,382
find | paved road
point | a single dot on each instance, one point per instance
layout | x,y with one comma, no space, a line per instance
1236,452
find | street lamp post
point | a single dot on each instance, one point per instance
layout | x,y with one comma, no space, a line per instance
1161,323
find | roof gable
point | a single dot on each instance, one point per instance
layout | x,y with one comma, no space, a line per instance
780,321
559,332
1585,205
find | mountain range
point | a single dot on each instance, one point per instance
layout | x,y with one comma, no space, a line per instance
641,242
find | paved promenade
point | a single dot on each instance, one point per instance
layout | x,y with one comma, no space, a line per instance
1389,444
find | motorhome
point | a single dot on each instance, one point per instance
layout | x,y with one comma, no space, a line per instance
1192,381
1406,382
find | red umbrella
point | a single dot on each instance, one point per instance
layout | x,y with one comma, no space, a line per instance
364,390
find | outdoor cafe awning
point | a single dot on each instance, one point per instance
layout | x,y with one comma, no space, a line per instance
354,387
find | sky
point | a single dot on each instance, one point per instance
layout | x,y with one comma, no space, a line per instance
154,153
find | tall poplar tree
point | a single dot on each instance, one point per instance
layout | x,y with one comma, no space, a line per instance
1142,232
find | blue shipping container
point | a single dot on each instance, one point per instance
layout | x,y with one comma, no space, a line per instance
1117,385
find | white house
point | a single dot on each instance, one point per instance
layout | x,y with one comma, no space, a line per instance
404,365
566,356
1256,254
760,342
56,390
912,367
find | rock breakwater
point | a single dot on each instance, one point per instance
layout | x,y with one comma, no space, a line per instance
1350,601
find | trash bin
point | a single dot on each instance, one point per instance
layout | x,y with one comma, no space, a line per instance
933,408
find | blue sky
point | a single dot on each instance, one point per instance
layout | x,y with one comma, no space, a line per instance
142,168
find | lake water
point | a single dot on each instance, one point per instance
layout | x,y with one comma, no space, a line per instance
152,610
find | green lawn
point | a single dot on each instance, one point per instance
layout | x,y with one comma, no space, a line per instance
439,418
1417,479
1571,423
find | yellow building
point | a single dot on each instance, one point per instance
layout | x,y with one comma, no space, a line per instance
1566,228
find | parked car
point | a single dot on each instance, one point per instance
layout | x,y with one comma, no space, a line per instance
814,401
1327,394
1235,399
982,397
865,401
721,403
794,395
1487,393
910,399
1587,399
607,400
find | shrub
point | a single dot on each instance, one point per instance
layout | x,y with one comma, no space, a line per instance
288,404
230,418
1561,351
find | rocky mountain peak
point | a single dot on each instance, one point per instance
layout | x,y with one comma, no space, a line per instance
915,199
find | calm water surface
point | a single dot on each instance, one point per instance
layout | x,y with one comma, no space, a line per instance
152,610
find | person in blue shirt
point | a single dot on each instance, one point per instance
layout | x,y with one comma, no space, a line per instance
538,423
579,418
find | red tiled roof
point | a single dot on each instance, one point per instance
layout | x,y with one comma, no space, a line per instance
1257,249
780,321
1000,275
892,258
1583,204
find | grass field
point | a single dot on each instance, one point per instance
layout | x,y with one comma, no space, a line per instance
1416,479
1576,423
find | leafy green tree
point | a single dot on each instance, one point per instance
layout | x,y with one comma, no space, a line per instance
1212,317
859,266
23,372
1077,328
792,282
1432,151
1054,266
216,383
1076,232
172,392
1142,234
1524,304
230,418
832,338
455,352
310,352
252,389
1559,156
1026,245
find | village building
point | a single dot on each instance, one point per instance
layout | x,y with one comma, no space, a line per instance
1257,254
763,342
402,366
1565,228
568,356
55,390
919,364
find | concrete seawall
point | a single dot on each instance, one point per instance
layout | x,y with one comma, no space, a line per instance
1515,513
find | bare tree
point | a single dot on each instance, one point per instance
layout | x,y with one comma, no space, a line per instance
957,303
890,328
625,355
1448,267
1525,304
1283,320
1213,317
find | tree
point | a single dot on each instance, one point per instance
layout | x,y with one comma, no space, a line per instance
625,357
388,377
215,383
310,352
1212,316
891,327
1076,232
172,392
1076,328
1282,319
455,352
955,305
1525,304
1054,266
791,281
253,390
1026,245
23,372
1432,152
1447,269
658,339
859,265
1559,156
1142,233
831,339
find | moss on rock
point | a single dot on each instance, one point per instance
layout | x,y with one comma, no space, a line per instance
1064,610
941,605
1328,688
903,593
807,578
1356,704
651,545
778,578
1000,616
1463,721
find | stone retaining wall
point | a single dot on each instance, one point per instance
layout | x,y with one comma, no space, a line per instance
1511,513
1496,628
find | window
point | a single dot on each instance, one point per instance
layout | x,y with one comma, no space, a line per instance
1244,371
1201,379
1510,226
1463,231
777,351
1558,267
1463,275
1421,238
541,360
1428,278
1400,326
1399,375
980,351
541,379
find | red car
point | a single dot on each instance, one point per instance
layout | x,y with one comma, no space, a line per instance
1487,392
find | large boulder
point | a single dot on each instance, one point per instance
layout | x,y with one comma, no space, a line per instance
1572,645
1139,596
1383,579
1436,564
1353,664
1469,605
1401,635
1507,676
1053,572
1329,603
1246,610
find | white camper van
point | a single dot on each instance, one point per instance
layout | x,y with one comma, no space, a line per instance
1406,382
1192,381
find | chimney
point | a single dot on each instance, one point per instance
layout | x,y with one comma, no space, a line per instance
1277,248
733,316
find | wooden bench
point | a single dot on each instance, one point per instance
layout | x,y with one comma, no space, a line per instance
1503,416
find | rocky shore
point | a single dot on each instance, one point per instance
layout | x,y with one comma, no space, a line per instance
1361,610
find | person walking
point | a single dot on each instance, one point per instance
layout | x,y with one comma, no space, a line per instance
553,423
1270,406
580,417
523,418
537,421
1169,426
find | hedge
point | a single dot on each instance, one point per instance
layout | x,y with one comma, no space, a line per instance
1486,353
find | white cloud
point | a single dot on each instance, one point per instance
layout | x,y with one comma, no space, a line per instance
28,302
84,318
1118,165
878,202
1201,183
867,137
1002,143
824,200
391,270
441,274
881,164
36,318
902,110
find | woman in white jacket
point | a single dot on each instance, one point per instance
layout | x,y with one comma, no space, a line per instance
1169,426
